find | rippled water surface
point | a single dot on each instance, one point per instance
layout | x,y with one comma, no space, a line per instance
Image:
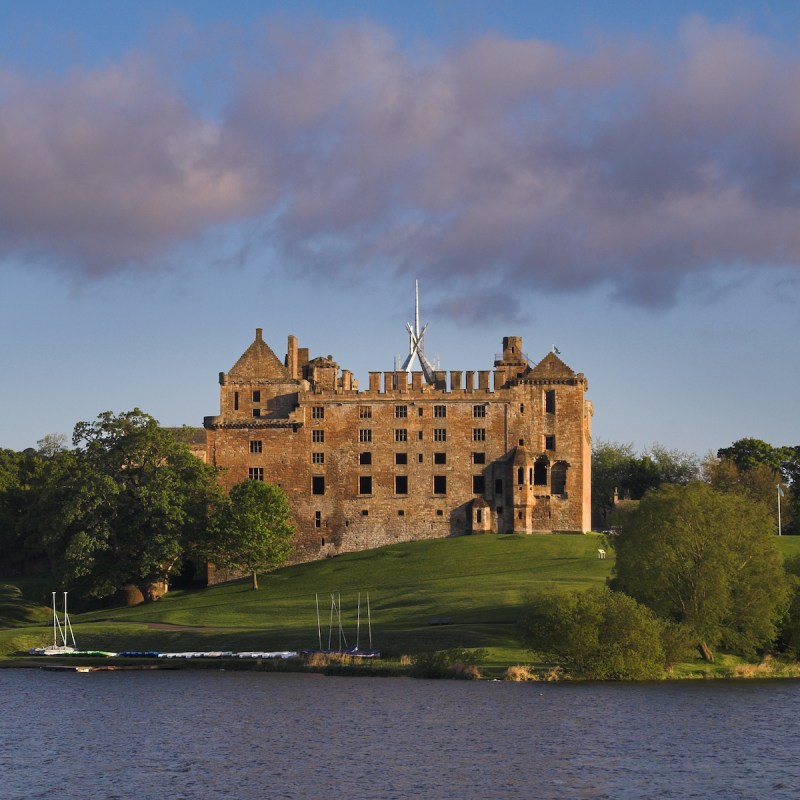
249,735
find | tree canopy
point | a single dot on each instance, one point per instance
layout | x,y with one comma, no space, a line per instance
598,634
617,469
707,560
124,506
251,531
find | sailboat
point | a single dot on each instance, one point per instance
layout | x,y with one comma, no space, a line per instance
60,631
354,650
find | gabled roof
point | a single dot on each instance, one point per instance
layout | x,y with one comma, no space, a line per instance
258,362
551,366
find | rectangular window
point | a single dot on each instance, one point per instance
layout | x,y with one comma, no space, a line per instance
255,473
522,408
318,412
419,435
440,434
318,521
478,484
255,445
365,484
498,486
479,458
440,458
549,442
365,412
440,411
550,401
419,412
401,513
365,458
401,458
440,484
365,435
401,435
439,512
256,396
236,401
400,412
317,436
256,412
364,512
419,458
318,458
401,484
479,434
318,484
478,411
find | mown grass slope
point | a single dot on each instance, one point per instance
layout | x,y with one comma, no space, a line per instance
460,592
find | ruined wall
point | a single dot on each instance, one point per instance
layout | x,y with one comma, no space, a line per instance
405,460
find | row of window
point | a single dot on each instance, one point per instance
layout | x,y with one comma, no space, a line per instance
365,458
400,436
401,412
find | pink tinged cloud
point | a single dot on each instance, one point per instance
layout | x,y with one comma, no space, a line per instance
632,166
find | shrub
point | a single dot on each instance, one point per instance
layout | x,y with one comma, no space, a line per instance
599,634
453,663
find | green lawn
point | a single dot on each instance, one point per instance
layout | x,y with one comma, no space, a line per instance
472,586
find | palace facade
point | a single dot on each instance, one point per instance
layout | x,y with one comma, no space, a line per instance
414,455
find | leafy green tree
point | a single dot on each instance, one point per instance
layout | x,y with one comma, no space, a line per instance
617,469
707,560
124,506
251,532
598,634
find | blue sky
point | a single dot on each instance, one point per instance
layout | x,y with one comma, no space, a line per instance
619,179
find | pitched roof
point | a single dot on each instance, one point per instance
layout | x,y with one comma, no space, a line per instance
551,366
258,362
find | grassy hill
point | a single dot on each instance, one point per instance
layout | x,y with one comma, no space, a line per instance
460,592
463,592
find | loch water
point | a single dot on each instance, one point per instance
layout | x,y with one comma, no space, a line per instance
217,734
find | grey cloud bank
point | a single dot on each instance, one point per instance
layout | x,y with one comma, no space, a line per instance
635,165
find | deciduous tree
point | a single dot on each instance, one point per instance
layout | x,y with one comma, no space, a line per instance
599,634
705,559
251,532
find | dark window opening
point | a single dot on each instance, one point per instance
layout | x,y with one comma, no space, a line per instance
522,408
401,513
540,473
318,412
440,434
419,412
365,435
520,476
364,512
498,486
419,458
440,458
479,434
256,395
256,412
318,521
479,458
550,401
255,446
440,484
558,478
236,401
401,484
522,443
479,515
317,436
478,484
401,435
365,484
400,412
318,458
549,442
255,473
419,435
401,458
478,411
439,512
318,484
440,411
365,458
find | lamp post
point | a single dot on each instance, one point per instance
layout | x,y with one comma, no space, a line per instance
780,494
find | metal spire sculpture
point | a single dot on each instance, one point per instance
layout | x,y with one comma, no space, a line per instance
416,343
